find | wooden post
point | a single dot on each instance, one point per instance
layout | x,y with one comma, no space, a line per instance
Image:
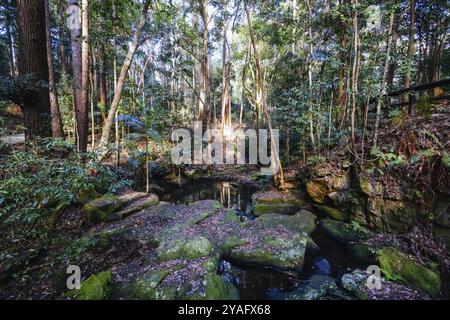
411,103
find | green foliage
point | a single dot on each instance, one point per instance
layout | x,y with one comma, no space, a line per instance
49,175
387,158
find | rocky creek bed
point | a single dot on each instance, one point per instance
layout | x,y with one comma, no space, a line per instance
223,240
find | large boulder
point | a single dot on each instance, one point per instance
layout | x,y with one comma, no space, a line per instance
285,253
344,232
275,202
396,266
333,213
193,248
180,280
302,222
96,287
356,283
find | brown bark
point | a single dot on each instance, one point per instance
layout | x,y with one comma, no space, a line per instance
33,61
62,46
57,126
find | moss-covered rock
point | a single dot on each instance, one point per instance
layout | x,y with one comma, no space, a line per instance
193,248
396,266
344,232
391,215
99,209
135,206
285,254
275,202
334,213
96,287
215,288
355,282
302,222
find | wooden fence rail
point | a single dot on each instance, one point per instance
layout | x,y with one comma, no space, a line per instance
412,99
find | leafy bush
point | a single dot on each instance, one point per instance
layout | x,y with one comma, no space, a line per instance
49,177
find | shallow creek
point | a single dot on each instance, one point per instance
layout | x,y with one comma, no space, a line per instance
260,283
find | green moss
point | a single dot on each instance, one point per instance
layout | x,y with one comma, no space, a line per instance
285,254
232,217
302,222
231,243
397,266
274,207
96,287
216,288
185,248
99,209
334,213
146,287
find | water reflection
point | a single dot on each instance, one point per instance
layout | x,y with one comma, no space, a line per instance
231,195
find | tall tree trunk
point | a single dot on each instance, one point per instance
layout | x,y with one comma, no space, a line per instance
62,46
33,61
203,76
383,79
226,99
410,52
278,176
57,126
123,73
83,120
75,36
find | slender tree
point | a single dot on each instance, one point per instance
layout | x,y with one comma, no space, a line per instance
278,176
121,80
